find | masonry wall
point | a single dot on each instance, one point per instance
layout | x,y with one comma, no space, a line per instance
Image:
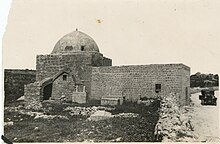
185,86
63,87
49,65
32,92
14,81
133,82
81,63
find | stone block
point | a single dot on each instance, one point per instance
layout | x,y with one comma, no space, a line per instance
79,97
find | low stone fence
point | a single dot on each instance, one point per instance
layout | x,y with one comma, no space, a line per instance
174,122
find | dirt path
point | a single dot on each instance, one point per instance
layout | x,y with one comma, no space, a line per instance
205,120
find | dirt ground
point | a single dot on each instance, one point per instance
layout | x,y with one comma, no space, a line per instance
55,122
205,120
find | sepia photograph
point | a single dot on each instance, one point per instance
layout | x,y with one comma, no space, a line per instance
111,71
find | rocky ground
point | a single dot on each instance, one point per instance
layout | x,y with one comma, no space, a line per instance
63,122
143,122
205,120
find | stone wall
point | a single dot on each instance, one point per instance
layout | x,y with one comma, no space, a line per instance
185,86
32,94
106,62
49,65
32,90
14,81
174,123
137,81
112,101
80,63
63,87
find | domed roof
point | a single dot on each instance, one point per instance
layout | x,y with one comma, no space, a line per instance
75,41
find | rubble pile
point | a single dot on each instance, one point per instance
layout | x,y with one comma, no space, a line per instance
81,110
34,105
174,123
29,113
12,109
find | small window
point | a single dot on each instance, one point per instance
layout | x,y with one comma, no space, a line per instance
157,88
64,77
82,48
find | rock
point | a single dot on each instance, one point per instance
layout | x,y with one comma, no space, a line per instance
15,139
175,121
11,123
165,133
118,139
164,116
172,135
166,139
36,128
189,134
100,115
22,98
40,115
177,128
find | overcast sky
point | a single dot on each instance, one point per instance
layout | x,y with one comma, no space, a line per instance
128,31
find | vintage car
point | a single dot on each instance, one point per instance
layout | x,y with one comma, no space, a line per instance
208,97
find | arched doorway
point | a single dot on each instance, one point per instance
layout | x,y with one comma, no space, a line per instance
47,91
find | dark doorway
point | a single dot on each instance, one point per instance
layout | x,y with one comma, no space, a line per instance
47,91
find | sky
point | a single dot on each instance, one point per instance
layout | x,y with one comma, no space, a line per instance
131,32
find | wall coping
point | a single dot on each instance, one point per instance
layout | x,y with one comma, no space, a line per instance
146,66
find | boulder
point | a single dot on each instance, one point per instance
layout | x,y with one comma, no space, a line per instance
100,115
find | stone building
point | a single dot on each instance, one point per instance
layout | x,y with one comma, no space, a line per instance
76,71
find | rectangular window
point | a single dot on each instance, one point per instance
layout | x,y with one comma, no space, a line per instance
157,88
82,48
64,77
